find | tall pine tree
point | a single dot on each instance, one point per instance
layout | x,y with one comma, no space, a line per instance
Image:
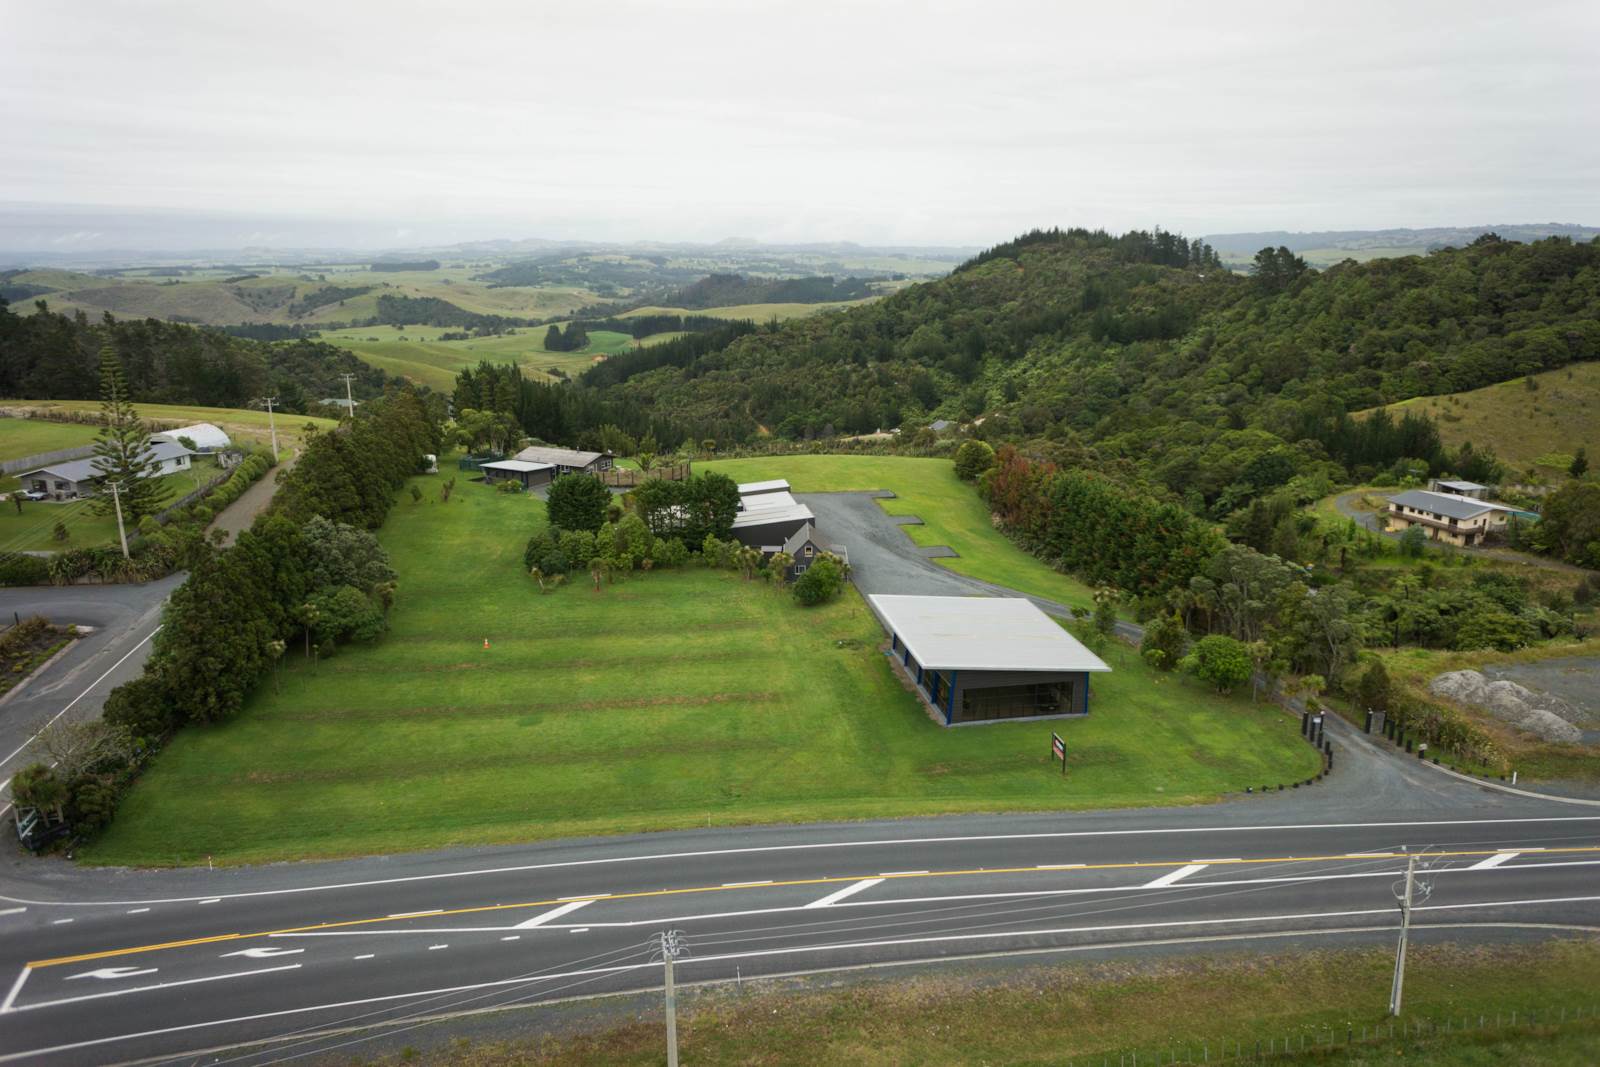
122,449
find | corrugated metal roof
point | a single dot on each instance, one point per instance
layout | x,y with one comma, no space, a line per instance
773,486
777,499
772,516
519,465
1463,487
1446,504
81,470
557,457
205,436
974,633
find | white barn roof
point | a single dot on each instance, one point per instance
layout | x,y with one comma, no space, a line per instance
206,437
521,466
772,516
557,457
776,485
761,501
967,633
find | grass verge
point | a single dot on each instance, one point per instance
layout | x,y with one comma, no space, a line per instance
1184,1010
669,700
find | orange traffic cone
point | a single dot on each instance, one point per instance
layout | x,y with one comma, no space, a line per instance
485,642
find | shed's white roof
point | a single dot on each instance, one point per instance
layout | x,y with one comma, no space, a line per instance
777,499
1463,486
774,486
520,465
772,516
205,436
975,633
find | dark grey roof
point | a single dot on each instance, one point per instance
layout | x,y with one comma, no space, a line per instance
1446,504
82,470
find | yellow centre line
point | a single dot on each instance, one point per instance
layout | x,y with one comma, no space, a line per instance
833,880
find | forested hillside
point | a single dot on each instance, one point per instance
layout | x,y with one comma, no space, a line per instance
50,356
1214,384
731,290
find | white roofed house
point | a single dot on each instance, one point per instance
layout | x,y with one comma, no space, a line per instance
80,478
1462,521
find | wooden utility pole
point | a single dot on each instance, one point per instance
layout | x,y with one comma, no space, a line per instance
349,400
1398,988
672,945
122,533
273,424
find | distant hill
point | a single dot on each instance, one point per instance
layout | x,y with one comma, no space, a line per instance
1324,247
726,290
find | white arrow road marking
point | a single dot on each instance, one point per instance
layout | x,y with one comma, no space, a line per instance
1173,876
1493,861
262,953
551,915
16,987
146,989
848,891
107,973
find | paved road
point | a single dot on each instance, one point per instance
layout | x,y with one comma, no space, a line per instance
242,512
74,686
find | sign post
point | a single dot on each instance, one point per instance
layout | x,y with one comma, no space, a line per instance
1058,750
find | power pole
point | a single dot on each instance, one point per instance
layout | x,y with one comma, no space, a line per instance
273,423
349,401
1405,893
672,945
122,533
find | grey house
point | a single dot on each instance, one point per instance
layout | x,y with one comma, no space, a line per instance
769,528
567,460
529,474
984,659
806,546
79,478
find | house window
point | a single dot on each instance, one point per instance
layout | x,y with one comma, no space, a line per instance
799,568
810,551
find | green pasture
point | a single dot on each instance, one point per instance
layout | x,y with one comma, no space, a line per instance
417,353
668,700
951,512
30,437
242,424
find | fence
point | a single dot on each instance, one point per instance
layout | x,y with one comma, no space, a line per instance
1325,1042
627,478
60,455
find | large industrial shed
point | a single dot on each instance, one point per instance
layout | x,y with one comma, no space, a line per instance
986,659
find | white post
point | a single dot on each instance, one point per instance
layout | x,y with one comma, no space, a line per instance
349,401
122,533
1405,928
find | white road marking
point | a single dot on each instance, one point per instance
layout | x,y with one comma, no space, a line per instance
578,930
16,987
553,913
1493,861
148,989
897,874
513,937
107,973
262,953
60,922
621,968
436,948
848,891
1057,866
137,911
13,911
366,956
744,885
587,897
757,849
212,900
1174,876
416,914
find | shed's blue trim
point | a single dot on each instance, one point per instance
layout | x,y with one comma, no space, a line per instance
950,699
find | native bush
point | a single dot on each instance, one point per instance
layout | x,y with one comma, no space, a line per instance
1220,660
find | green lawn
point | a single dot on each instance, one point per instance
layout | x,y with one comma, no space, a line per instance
670,700
950,509
29,437
242,424
32,529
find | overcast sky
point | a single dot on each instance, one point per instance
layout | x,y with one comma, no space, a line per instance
916,122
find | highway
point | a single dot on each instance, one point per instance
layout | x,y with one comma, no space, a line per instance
306,959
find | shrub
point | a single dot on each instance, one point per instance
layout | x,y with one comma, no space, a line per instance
578,546
539,546
578,502
1220,660
140,707
509,485
1164,641
820,583
671,552
553,563
93,803
345,613
17,569
972,459
38,786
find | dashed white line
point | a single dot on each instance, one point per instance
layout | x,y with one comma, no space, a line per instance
578,930
212,900
364,956
13,911
1493,861
513,937
1174,876
848,891
553,913
436,948
60,922
137,911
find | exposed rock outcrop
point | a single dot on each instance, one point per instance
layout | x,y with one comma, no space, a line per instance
1546,717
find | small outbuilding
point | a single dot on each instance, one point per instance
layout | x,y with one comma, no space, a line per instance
1467,489
768,528
531,475
987,659
207,439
